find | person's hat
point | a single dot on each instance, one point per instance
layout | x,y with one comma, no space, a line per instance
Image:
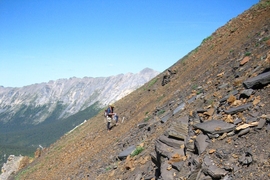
111,105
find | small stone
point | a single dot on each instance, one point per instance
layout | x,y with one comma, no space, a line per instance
238,109
244,126
261,123
246,93
141,125
211,151
216,172
245,60
169,167
246,158
244,131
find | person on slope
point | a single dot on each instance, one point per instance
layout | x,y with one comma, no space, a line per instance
111,116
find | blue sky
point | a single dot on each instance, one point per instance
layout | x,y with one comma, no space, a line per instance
53,39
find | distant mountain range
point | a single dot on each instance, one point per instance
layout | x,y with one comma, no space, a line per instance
69,101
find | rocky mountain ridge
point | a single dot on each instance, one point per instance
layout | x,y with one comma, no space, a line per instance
74,94
206,117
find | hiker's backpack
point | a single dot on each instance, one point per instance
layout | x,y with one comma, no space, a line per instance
106,112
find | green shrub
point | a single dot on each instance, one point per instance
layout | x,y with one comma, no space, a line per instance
247,53
161,112
137,151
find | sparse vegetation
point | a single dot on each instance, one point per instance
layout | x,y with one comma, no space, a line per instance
137,151
266,38
161,112
160,97
146,119
108,168
247,53
206,39
152,82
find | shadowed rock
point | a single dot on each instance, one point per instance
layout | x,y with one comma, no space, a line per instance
141,125
165,118
246,93
166,150
171,142
260,80
215,172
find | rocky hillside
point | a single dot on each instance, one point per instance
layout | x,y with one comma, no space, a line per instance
205,117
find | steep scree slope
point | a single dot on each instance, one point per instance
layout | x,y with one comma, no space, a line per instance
206,117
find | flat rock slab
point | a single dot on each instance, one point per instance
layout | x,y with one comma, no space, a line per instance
260,80
173,133
126,152
179,108
201,143
215,126
171,142
237,109
166,150
178,129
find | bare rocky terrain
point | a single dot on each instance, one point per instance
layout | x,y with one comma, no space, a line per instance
206,117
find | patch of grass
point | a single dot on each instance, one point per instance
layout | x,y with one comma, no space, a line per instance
146,119
212,46
137,151
28,170
210,102
265,38
159,98
264,4
161,112
194,86
152,82
206,39
199,91
108,168
247,53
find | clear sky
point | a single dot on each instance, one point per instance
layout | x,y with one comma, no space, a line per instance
42,40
